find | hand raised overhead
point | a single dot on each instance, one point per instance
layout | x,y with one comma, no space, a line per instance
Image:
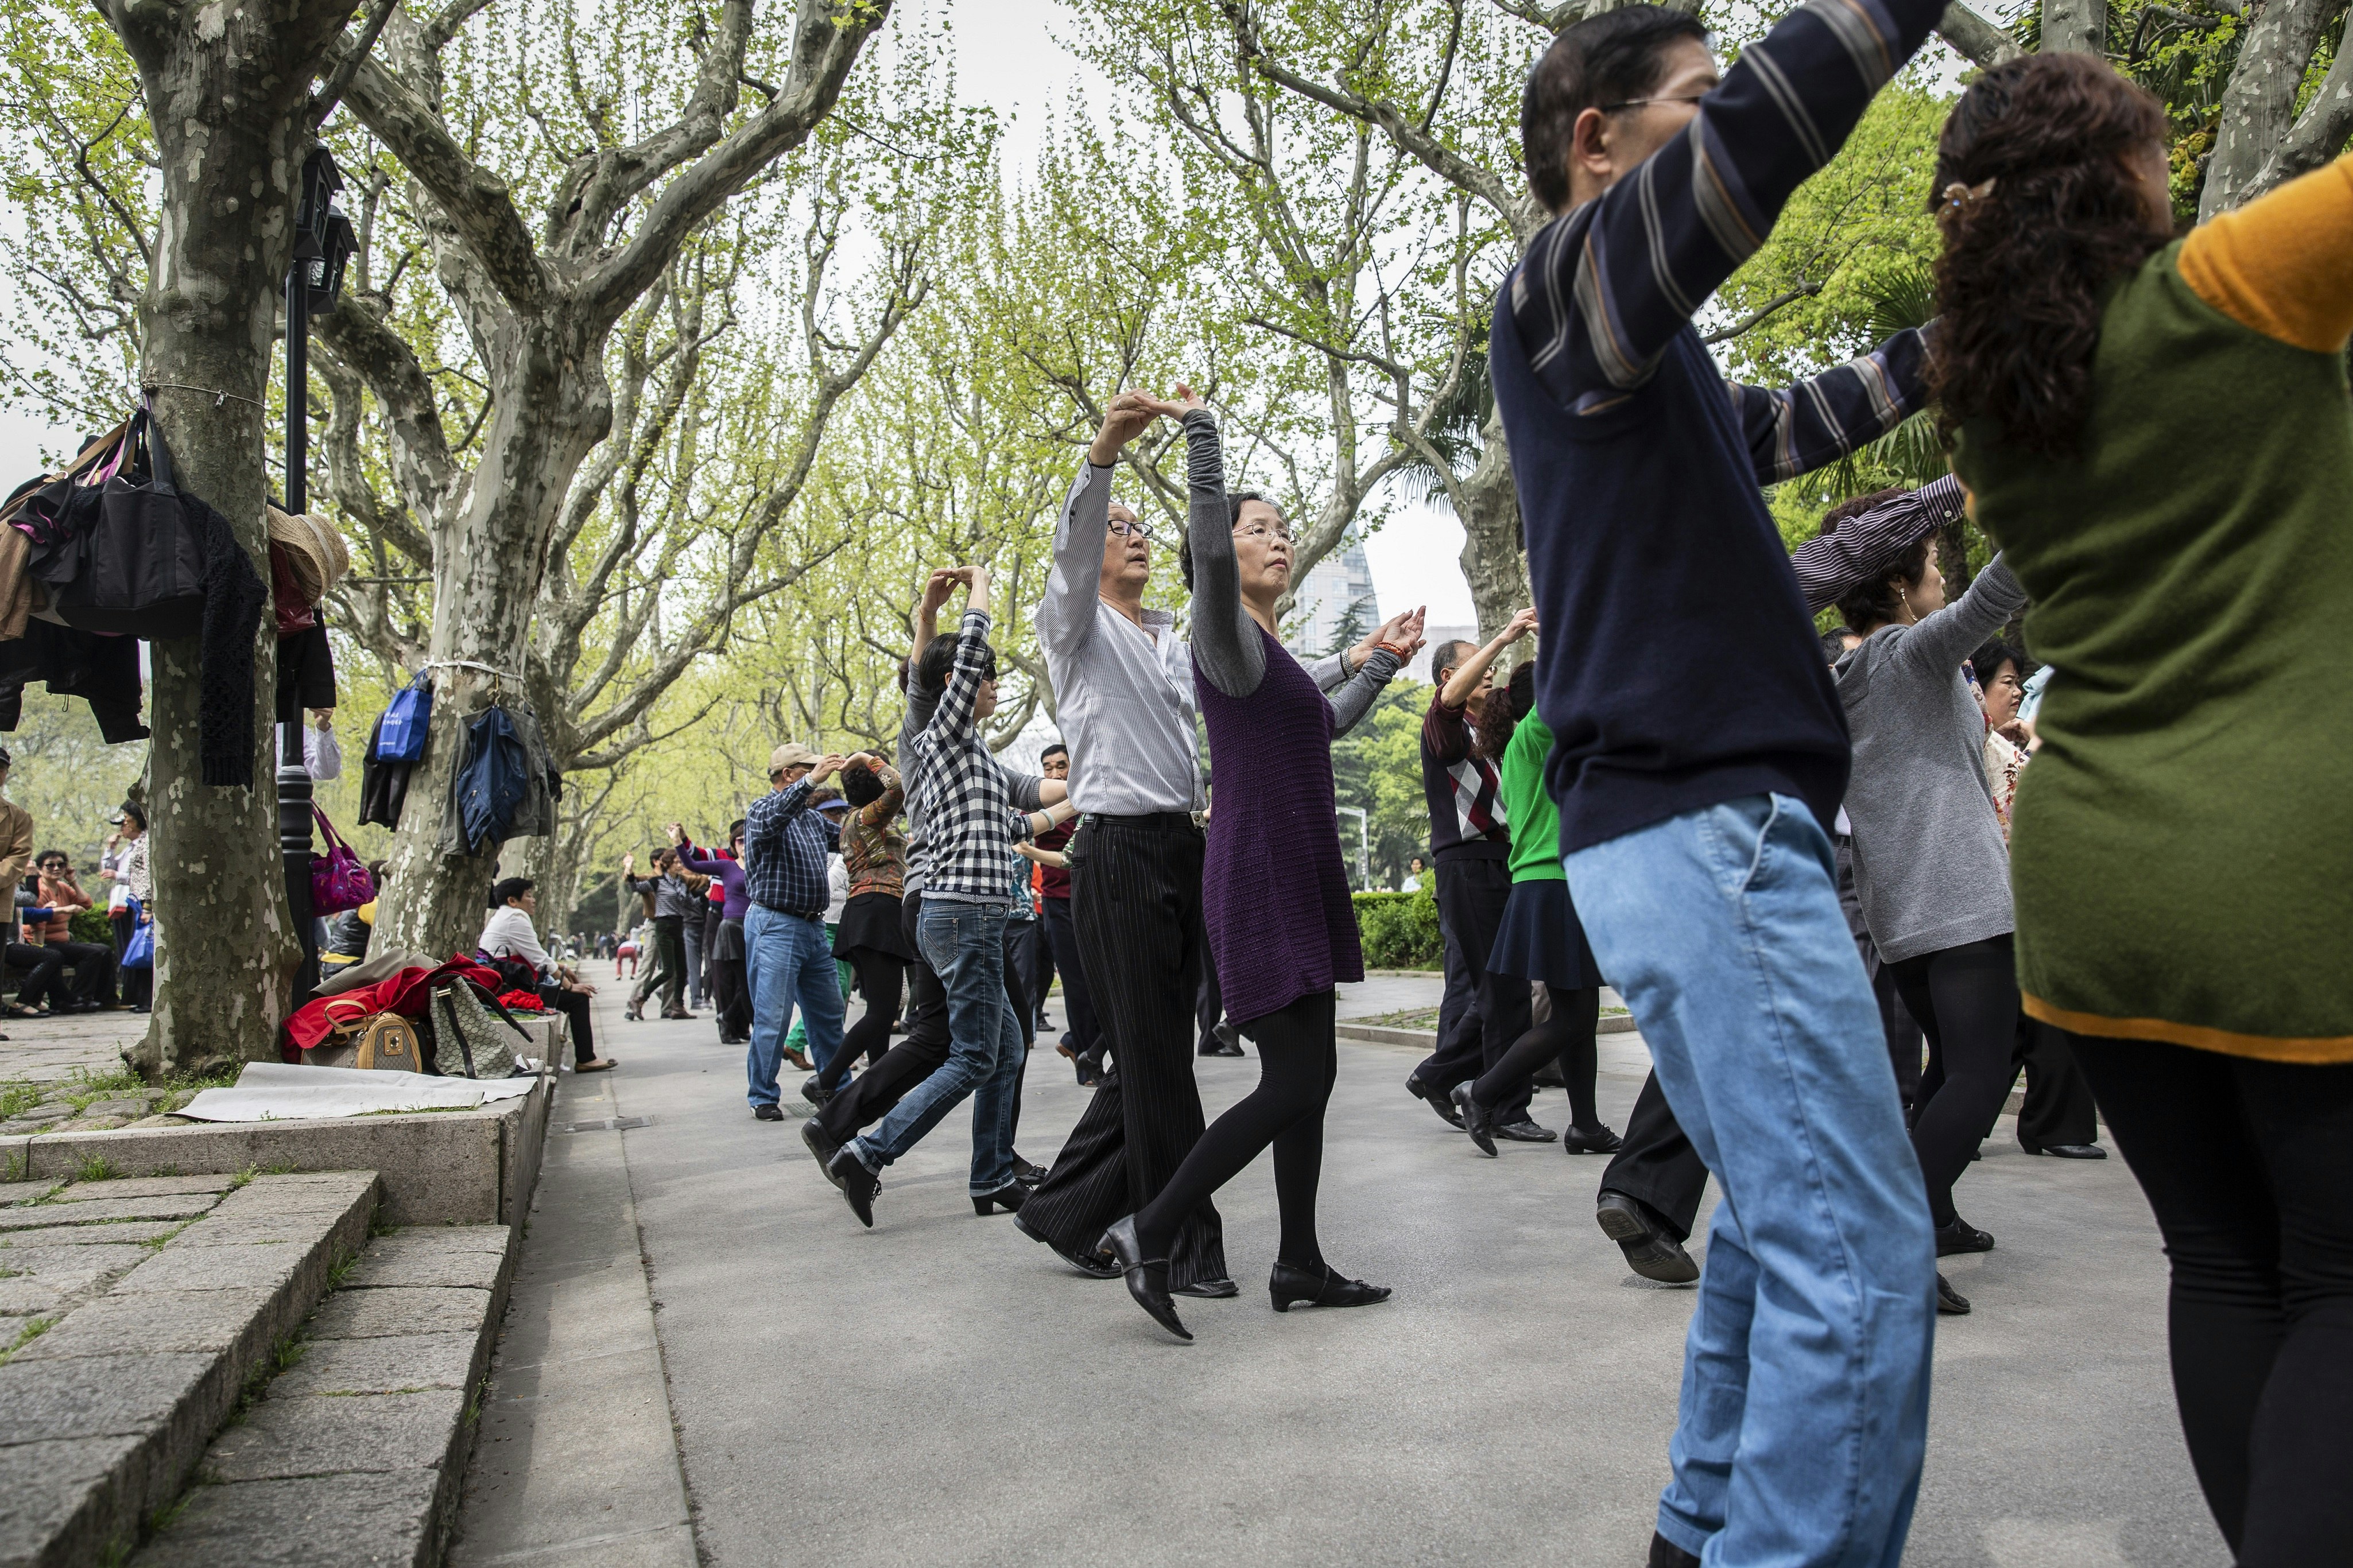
1126,418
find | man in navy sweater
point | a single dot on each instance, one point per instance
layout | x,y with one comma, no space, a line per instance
1695,802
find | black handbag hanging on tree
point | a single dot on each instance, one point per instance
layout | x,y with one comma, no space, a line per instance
132,565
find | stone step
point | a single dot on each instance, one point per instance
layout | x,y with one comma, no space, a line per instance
108,1398
355,1454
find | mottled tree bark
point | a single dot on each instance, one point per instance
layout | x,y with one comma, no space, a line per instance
2078,26
227,90
1493,563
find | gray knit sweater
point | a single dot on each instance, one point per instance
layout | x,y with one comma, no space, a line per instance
1930,867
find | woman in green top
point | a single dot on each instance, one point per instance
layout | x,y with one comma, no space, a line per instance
1541,938
2157,432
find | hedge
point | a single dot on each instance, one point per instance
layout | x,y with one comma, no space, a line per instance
1400,930
91,926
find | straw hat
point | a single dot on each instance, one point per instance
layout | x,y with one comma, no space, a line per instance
314,549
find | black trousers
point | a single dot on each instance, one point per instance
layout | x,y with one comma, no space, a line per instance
2059,1107
93,970
2248,1166
690,935
1471,894
1043,966
45,980
1657,1165
731,992
881,978
1135,902
574,1005
1022,940
1965,998
872,1093
138,985
1078,1002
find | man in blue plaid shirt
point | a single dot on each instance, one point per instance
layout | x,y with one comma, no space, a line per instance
786,953
969,828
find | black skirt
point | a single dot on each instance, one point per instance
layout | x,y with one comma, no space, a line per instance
871,919
727,942
1542,938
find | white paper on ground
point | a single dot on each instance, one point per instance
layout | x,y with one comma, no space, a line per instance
275,1092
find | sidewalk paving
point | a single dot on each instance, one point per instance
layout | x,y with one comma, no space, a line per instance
942,1390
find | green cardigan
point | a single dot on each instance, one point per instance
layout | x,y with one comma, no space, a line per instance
2182,846
1527,806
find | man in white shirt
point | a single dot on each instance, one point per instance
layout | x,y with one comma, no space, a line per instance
508,933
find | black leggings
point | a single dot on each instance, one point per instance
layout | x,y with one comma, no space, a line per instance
1568,1034
1298,1059
1966,1000
2249,1167
880,977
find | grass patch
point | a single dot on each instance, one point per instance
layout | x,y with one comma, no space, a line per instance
243,1177
419,1111
15,1098
474,1403
1412,1019
31,1331
340,1268
283,1168
18,1166
96,1168
281,1360
160,1520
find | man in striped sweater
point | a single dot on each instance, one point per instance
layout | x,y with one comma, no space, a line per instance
1700,751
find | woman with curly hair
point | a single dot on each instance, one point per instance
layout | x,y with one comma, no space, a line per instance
2157,432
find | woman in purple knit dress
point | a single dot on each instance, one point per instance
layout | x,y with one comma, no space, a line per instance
1282,941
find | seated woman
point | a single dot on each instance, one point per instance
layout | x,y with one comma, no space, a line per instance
508,933
92,963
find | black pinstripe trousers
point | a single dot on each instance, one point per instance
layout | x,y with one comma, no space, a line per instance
1135,907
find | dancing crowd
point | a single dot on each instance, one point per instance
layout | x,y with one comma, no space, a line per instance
1806,863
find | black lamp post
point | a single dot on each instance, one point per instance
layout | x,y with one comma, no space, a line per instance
324,243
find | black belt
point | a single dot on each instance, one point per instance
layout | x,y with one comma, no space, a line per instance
1154,821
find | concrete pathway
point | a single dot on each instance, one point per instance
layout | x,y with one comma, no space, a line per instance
939,1390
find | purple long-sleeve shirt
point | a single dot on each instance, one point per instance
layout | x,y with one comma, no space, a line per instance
730,874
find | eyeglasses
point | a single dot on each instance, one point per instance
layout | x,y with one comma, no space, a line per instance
1639,103
1137,529
1260,531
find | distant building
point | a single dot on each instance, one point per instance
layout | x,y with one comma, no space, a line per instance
1339,583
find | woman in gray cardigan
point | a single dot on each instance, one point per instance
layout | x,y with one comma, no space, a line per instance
1930,867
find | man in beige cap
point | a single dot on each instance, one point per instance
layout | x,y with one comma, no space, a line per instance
786,953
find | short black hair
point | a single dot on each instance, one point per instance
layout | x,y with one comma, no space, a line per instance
132,808
509,889
1449,655
861,785
1608,58
1987,661
46,855
1234,500
1049,751
735,830
939,660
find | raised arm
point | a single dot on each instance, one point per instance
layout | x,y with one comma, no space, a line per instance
1067,615
885,806
1871,544
765,818
1796,429
1354,700
2283,264
954,716
1226,641
1456,692
1941,641
1597,302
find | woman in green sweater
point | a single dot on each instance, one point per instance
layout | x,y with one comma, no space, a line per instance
2159,435
1541,938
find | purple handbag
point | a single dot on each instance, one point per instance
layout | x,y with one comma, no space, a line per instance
338,880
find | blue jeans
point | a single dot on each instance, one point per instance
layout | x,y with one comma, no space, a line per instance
964,943
785,957
1805,1399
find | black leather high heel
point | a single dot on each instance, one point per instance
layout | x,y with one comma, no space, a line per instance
1007,1198
1148,1278
1291,1285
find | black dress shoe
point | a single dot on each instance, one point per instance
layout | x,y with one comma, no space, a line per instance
1436,1101
1665,1554
1525,1132
1027,1175
1649,1251
1290,1286
1148,1278
769,1112
813,1089
1007,1198
858,1183
822,1146
1949,1302
1216,1288
1961,1237
1095,1266
2070,1151
1477,1120
1225,1040
1601,1140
